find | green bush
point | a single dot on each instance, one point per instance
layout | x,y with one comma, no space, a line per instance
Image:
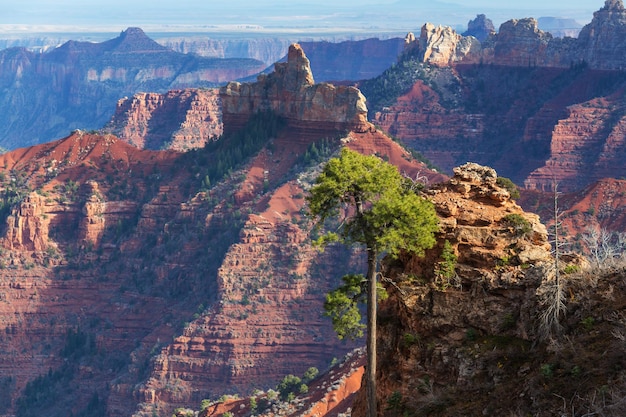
410,339
310,374
508,185
571,269
288,385
445,269
520,226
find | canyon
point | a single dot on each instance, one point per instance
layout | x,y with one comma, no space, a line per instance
226,273
149,272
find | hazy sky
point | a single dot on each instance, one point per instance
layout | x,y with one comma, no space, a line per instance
94,14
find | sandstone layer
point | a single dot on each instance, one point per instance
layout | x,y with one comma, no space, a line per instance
586,146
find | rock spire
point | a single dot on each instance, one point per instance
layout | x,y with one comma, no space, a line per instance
290,92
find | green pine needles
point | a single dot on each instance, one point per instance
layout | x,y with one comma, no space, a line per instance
378,210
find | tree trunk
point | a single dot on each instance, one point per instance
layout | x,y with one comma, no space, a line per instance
371,333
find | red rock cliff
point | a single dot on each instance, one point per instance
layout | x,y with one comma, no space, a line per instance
178,119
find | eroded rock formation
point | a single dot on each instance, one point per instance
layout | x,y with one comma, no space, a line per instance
520,42
442,46
602,41
481,28
290,92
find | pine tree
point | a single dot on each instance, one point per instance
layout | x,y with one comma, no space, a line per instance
388,217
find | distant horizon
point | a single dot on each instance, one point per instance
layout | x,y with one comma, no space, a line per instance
277,16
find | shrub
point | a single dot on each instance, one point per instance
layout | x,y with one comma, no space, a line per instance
571,269
394,402
288,385
520,226
508,185
310,374
445,268
206,403
410,339
547,370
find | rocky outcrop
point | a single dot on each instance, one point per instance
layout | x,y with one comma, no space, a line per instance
520,43
442,46
178,120
291,93
601,42
477,346
435,328
474,213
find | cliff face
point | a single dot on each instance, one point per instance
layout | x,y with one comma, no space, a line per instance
266,50
178,119
290,92
78,84
442,46
602,40
586,146
531,124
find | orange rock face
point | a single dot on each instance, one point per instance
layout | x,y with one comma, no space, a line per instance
422,336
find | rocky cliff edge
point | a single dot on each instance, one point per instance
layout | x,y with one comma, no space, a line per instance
501,257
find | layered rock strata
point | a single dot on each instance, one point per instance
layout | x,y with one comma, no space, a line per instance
179,119
586,146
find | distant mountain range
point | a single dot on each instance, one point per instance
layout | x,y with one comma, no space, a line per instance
78,84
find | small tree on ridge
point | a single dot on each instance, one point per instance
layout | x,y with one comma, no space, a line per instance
382,214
